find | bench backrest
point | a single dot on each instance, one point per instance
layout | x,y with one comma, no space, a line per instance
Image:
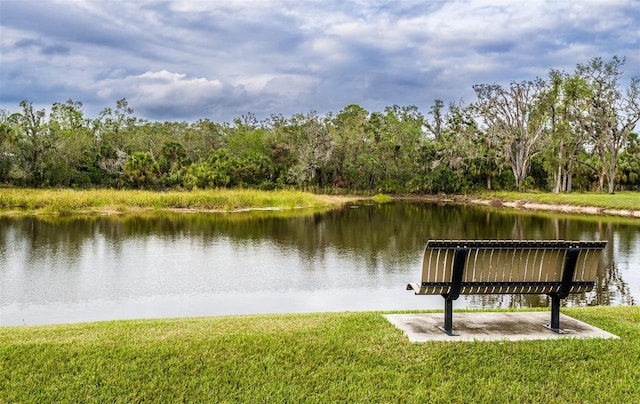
510,266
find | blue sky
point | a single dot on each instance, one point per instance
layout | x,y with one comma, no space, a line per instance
187,60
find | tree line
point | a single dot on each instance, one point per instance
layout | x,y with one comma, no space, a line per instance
570,131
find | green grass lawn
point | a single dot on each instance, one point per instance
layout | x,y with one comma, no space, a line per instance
621,200
336,357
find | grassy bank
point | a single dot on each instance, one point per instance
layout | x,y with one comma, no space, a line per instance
68,202
107,201
619,201
339,357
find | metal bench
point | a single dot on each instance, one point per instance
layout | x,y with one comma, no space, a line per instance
555,268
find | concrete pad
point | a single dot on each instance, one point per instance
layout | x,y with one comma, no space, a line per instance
492,326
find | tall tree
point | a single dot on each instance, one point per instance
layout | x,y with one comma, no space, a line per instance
117,119
515,118
436,126
567,139
33,142
350,139
7,139
203,136
111,129
74,151
629,166
608,114
400,137
474,153
314,149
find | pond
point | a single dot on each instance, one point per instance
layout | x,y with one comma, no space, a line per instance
360,257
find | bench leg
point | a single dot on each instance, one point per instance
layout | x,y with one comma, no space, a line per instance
555,315
448,318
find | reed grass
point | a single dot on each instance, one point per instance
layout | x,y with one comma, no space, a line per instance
70,202
337,357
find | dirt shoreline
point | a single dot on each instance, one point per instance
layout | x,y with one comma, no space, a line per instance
527,205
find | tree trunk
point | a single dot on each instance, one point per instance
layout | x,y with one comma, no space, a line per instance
611,178
603,175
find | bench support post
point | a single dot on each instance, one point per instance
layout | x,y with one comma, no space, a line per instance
567,277
555,315
448,318
459,260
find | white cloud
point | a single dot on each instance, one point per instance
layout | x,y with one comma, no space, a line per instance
328,50
152,90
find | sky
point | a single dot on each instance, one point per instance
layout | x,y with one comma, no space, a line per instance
186,60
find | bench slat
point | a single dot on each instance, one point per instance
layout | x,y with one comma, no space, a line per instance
519,244
437,288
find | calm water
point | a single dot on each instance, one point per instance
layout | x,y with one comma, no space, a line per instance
356,258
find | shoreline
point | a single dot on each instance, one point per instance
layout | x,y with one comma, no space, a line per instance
67,206
559,208
522,204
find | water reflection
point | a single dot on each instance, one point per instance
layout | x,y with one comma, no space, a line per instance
359,257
